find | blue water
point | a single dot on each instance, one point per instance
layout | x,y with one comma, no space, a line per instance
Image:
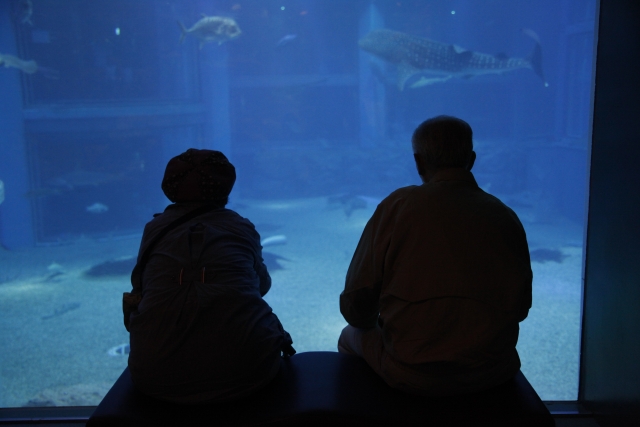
319,131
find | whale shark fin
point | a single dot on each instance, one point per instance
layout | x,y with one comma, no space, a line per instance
462,55
535,58
405,72
458,49
426,81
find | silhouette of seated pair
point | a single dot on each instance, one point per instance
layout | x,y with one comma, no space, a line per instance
434,294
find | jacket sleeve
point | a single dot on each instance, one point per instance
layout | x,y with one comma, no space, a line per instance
522,250
258,265
263,274
527,292
360,300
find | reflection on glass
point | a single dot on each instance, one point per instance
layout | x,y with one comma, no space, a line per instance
314,102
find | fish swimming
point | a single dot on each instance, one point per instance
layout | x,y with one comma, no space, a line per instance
286,40
272,261
419,57
212,29
350,202
119,350
543,255
64,308
274,240
97,208
28,67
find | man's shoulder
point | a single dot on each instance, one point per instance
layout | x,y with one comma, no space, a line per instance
497,209
495,200
426,196
401,193
395,198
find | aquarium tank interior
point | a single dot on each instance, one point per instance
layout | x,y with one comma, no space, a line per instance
314,102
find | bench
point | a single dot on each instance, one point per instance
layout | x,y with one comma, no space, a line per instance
329,389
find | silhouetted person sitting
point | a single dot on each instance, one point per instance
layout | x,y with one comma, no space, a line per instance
441,276
201,331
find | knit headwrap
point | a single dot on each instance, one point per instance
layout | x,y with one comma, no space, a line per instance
199,176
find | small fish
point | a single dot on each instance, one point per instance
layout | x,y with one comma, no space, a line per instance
64,308
28,67
97,208
55,267
286,40
351,202
1,191
544,255
372,202
274,240
119,350
55,273
212,29
272,261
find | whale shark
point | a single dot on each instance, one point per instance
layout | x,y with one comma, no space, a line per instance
421,61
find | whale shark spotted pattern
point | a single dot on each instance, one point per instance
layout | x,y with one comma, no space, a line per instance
417,56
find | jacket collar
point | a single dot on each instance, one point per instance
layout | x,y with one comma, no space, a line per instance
453,174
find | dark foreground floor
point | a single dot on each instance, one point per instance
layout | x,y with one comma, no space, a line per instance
582,421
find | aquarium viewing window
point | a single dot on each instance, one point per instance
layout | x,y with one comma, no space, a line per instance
314,102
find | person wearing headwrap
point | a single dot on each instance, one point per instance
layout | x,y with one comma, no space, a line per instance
201,331
199,176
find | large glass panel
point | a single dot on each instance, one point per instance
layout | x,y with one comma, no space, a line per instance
98,95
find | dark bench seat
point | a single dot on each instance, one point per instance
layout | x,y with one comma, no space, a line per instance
327,388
